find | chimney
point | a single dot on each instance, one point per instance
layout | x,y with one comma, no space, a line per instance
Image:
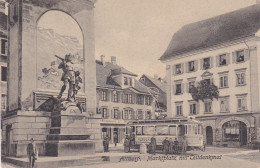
102,59
155,76
113,60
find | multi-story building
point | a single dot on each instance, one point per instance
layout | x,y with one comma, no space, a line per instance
224,51
158,85
121,99
3,56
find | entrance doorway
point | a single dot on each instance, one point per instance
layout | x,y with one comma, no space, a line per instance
8,139
243,133
209,135
115,136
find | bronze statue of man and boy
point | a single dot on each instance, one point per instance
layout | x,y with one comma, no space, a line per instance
70,78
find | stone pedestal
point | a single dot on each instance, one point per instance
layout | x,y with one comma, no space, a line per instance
68,134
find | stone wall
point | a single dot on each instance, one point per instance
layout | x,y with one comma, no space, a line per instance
24,126
94,130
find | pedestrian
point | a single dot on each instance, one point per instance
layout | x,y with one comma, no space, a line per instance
32,153
152,146
171,146
106,143
132,139
115,141
184,145
127,144
165,146
176,144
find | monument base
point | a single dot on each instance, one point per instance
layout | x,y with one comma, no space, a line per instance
70,148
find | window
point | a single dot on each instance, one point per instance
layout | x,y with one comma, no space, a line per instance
4,46
179,109
224,105
140,99
191,66
3,73
241,103
131,114
104,95
125,81
241,78
162,130
139,130
223,81
130,98
148,130
178,69
104,113
223,59
178,88
240,56
206,63
208,81
191,84
116,113
3,102
148,100
140,115
130,81
125,116
207,106
173,130
115,97
148,115
193,108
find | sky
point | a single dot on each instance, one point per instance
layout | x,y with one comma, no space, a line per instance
138,32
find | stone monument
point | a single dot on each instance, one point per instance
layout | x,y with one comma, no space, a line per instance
35,107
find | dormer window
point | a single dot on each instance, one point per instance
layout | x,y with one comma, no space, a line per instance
125,81
240,56
206,63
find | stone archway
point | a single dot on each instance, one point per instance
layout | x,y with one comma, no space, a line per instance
245,126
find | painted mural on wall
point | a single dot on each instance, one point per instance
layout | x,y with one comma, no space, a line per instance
52,41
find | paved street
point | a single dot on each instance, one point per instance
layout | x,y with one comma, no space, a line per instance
220,157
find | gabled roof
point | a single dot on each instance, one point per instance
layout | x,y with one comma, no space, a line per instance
104,79
238,24
156,82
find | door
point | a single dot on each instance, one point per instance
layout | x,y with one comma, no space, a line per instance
243,133
209,135
8,140
116,135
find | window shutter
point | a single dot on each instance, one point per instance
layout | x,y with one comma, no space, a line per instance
198,107
212,80
182,68
112,96
118,96
133,114
201,64
173,89
196,65
108,95
186,67
119,114
233,57
211,61
246,52
173,70
217,60
228,58
182,88
112,113
187,87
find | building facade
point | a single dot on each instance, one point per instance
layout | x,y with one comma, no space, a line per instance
3,57
223,51
120,99
158,85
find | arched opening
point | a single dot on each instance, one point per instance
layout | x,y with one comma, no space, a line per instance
235,131
209,135
57,34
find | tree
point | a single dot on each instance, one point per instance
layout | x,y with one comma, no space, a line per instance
204,90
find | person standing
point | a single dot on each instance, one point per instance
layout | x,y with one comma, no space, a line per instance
105,143
176,143
153,146
165,144
127,144
171,146
184,145
32,153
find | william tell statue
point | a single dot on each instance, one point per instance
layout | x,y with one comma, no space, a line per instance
69,77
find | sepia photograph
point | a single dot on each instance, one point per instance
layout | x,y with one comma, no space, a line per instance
130,83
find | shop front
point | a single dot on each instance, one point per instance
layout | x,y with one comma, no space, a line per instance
116,133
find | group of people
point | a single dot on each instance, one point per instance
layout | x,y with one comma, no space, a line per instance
174,147
129,142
